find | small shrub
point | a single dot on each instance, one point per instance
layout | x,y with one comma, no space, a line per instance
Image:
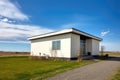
89,53
106,55
79,57
103,57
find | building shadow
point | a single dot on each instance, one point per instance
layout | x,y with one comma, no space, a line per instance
113,58
109,58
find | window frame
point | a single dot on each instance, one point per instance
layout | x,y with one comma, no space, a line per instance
56,45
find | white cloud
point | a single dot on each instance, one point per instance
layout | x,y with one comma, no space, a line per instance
19,33
4,20
104,33
8,9
12,32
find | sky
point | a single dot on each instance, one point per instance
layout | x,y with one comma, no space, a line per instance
20,19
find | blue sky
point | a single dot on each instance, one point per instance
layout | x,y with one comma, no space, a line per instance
20,19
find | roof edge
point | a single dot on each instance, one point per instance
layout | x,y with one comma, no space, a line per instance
63,32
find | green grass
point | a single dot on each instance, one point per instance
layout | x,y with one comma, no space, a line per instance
22,68
117,75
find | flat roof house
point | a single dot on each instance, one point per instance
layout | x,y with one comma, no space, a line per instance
66,44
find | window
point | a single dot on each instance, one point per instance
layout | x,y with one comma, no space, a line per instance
56,45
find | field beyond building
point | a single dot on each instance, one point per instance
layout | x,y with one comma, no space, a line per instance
2,53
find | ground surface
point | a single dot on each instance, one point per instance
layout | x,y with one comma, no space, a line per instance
22,68
117,75
2,54
112,53
97,71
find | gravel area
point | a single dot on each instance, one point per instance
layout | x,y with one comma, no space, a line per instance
97,71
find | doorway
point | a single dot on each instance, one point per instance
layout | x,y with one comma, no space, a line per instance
82,47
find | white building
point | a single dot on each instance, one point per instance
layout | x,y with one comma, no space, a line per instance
66,44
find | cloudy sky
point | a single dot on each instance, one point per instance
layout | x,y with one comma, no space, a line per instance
20,19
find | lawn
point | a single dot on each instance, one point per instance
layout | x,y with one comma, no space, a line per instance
22,68
117,76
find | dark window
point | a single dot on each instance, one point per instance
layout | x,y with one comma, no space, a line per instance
56,45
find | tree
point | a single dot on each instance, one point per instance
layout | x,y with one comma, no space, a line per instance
102,50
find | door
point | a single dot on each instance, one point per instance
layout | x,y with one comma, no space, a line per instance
82,47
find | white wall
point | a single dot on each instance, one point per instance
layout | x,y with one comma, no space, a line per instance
95,47
92,46
70,46
88,45
75,45
44,46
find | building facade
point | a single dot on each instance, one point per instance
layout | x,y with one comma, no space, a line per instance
65,44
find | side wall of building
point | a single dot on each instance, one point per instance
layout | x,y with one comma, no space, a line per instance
92,46
75,45
88,45
41,47
95,47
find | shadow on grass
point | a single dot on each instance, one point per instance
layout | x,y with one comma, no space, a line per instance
109,58
114,58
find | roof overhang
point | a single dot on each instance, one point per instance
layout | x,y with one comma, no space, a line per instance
71,30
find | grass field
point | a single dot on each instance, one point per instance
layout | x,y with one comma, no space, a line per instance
2,53
112,53
22,68
117,75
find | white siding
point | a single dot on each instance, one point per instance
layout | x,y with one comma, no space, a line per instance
92,46
95,47
75,45
89,45
70,46
44,46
